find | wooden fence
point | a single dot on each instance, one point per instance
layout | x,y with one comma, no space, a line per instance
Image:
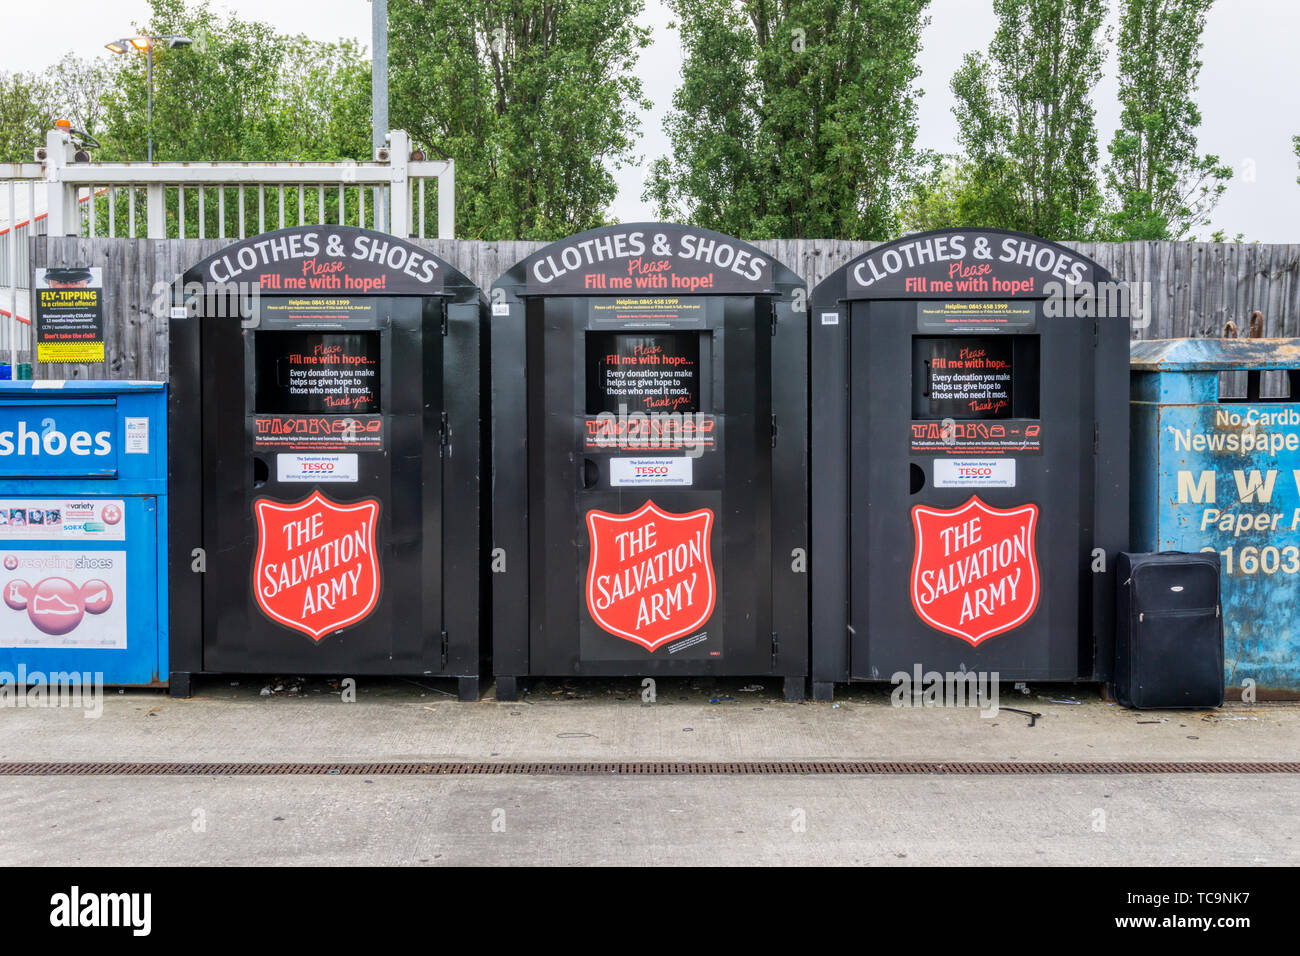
1194,288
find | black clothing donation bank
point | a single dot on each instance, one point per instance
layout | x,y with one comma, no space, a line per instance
649,450
969,460
326,456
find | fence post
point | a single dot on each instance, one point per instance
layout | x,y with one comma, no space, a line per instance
155,204
58,144
13,271
447,202
399,205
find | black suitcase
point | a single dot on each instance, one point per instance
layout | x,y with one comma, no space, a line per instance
1168,631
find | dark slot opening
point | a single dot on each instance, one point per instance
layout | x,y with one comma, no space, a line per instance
649,372
317,372
975,376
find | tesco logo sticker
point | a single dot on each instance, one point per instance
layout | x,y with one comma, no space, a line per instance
626,472
316,468
975,473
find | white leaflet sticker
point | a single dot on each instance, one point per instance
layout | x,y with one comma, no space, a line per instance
975,473
625,472
830,318
316,467
137,436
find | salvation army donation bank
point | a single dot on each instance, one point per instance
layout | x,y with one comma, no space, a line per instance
649,445
969,459
325,412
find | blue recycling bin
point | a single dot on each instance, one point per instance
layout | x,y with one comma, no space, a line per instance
1217,473
83,543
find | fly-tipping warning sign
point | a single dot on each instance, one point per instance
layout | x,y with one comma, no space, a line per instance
69,314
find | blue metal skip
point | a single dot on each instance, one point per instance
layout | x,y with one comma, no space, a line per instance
1211,473
83,542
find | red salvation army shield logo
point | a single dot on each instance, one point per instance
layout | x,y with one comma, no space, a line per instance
651,573
975,570
316,569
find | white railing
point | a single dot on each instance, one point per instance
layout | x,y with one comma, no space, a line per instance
235,200
20,190
62,196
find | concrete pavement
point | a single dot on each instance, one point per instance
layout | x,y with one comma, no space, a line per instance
652,820
607,720
1128,819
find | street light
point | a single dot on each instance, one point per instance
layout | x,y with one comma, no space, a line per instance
145,44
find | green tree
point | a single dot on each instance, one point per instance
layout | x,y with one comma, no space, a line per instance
945,193
323,101
1295,145
1026,119
794,117
78,86
535,100
27,110
242,92
1160,186
72,89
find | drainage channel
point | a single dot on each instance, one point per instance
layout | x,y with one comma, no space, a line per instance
632,768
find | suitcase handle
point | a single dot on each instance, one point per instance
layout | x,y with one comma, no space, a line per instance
1179,612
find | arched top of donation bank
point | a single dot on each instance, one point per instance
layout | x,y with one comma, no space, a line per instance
966,264
646,259
317,260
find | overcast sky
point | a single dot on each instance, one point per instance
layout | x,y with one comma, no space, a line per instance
1249,96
